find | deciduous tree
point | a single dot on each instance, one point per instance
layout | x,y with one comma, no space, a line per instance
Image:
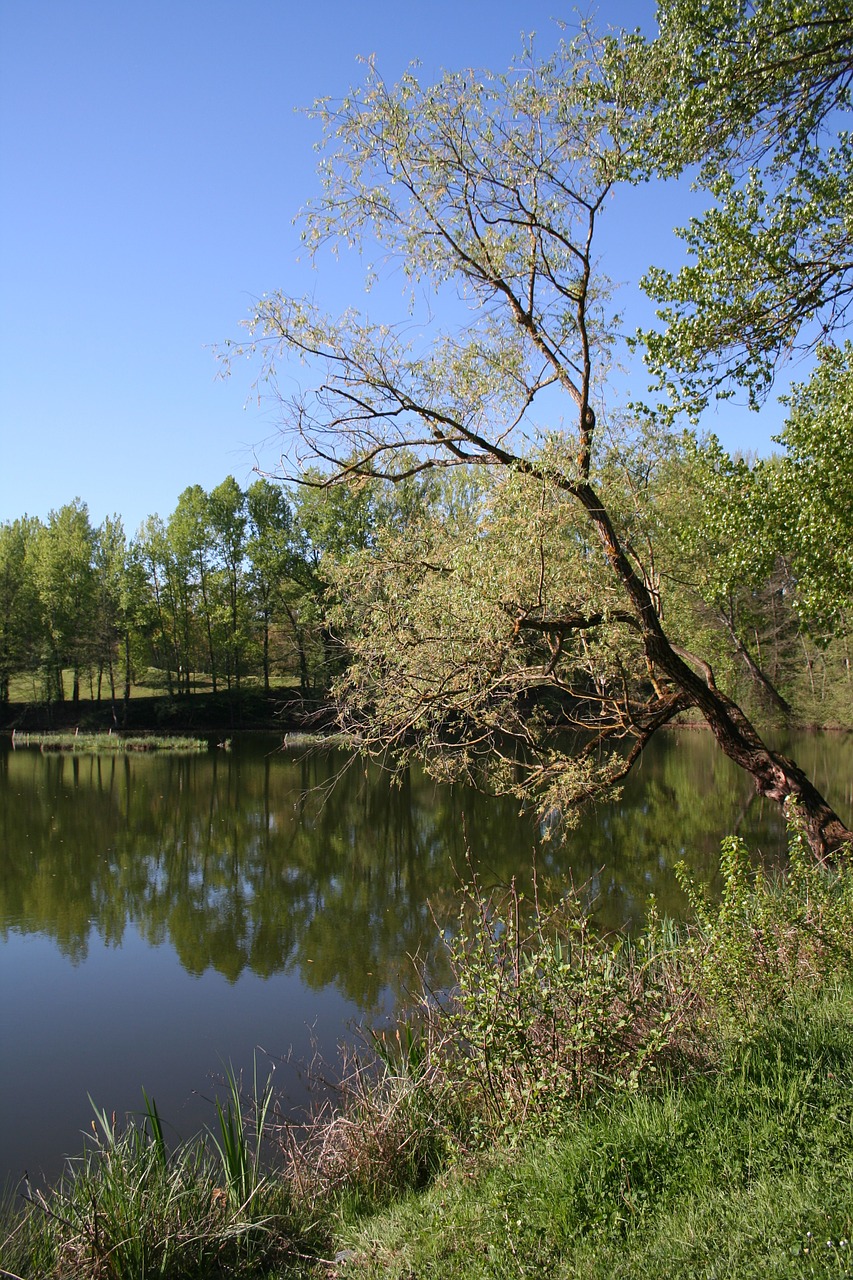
756,93
489,190
20,611
65,580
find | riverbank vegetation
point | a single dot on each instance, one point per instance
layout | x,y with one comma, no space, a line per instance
676,1104
102,743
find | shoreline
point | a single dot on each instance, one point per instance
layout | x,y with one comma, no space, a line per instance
246,710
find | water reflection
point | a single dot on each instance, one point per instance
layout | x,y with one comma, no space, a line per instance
265,862
163,915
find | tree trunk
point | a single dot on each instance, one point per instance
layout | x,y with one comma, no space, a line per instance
774,775
266,654
125,701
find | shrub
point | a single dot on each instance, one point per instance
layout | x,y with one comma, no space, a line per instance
770,939
544,1012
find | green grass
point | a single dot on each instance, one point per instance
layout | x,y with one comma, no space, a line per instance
745,1173
27,687
107,742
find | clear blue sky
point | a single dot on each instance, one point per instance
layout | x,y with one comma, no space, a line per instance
151,160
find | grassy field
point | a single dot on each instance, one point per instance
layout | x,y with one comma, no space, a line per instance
151,709
28,689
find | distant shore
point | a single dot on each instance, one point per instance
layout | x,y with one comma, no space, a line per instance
284,711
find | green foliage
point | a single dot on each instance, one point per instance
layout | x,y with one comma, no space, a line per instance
768,940
64,577
96,743
545,1014
812,489
468,647
21,620
756,93
229,587
736,1162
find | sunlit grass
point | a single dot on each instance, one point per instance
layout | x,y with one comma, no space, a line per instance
107,742
27,687
745,1172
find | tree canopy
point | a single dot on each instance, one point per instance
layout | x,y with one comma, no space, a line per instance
756,95
526,640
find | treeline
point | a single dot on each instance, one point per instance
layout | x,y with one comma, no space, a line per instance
256,585
227,589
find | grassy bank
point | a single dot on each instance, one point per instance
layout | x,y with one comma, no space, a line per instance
744,1173
151,708
678,1107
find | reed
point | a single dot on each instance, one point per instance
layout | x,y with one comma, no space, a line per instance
107,743
130,1207
239,1143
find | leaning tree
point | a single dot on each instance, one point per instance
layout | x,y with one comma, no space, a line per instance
522,633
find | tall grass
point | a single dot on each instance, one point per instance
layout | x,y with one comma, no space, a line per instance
129,1208
106,743
239,1142
390,1124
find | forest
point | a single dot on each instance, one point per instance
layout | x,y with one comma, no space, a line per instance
247,587
228,590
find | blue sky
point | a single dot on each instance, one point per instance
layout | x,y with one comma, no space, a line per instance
151,160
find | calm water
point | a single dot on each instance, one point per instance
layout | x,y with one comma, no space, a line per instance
163,916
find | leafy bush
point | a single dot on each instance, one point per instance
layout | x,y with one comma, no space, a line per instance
545,1012
768,939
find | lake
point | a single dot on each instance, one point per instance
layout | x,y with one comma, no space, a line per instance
163,916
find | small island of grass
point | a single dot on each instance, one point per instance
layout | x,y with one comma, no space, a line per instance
98,743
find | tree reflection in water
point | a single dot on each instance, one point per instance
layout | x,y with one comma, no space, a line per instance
255,861
163,915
